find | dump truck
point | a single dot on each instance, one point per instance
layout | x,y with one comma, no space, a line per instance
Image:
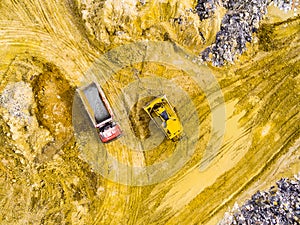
99,111
164,116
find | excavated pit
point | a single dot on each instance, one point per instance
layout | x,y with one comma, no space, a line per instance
46,176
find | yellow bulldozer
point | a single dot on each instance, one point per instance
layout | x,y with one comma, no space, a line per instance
164,116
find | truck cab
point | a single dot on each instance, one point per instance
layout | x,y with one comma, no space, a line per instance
109,132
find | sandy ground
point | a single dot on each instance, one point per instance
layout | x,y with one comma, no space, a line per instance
241,122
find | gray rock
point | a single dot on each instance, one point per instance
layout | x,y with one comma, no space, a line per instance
239,23
279,205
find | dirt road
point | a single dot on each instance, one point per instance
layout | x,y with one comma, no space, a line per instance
56,171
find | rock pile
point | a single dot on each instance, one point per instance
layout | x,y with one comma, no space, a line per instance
239,23
206,8
286,5
279,205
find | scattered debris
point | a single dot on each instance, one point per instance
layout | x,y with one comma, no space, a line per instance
279,205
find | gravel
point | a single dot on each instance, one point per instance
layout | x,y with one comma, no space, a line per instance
279,205
286,5
206,8
237,27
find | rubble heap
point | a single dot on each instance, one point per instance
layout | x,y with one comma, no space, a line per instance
239,23
286,5
279,205
206,8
